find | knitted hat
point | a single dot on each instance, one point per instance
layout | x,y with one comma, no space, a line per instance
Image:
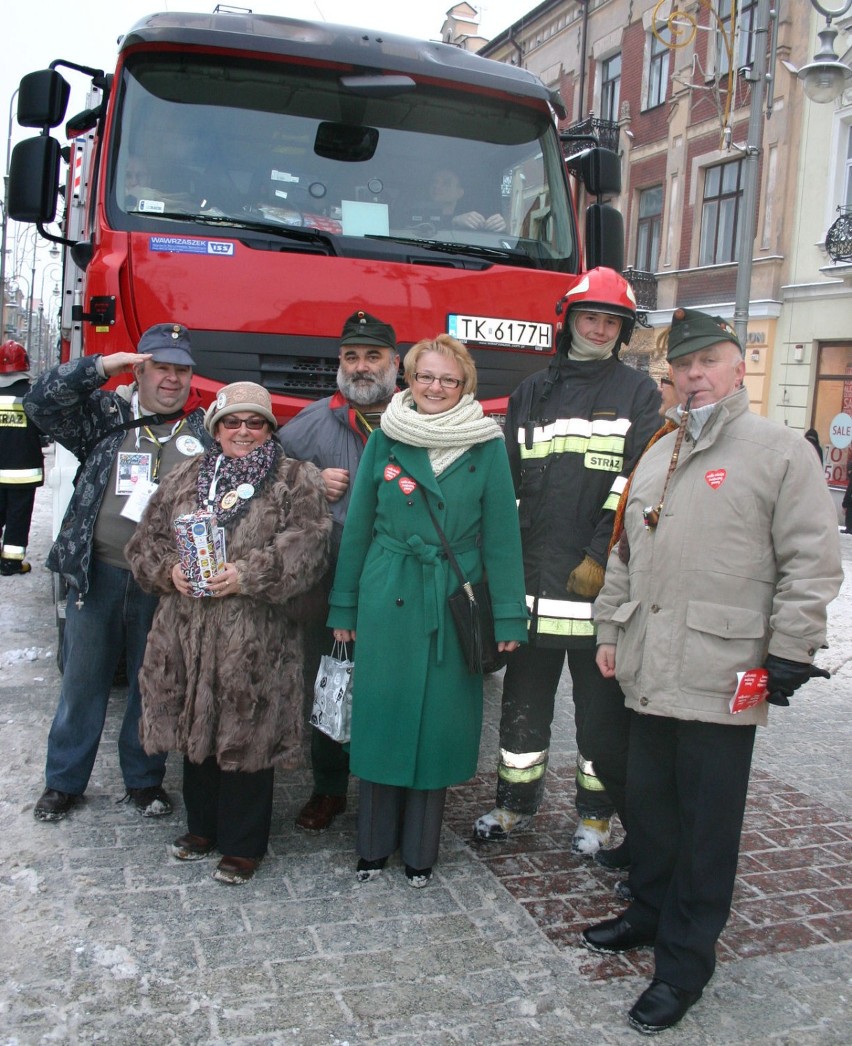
239,396
167,343
363,329
692,330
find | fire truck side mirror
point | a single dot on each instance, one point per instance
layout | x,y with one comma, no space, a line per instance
604,237
42,99
34,180
600,172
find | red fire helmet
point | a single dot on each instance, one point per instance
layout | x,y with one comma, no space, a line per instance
13,358
603,290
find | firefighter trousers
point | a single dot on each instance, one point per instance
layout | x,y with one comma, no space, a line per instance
16,513
601,722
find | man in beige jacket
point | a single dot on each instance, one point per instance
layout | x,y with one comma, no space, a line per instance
727,562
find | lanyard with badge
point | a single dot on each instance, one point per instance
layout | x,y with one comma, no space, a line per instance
138,471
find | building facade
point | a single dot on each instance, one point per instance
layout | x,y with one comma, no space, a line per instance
677,82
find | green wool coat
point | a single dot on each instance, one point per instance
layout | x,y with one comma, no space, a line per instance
416,710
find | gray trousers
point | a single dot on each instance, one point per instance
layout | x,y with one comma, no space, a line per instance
408,819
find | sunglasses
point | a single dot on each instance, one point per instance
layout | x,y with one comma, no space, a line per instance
255,424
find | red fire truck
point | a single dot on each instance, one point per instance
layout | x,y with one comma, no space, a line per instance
259,178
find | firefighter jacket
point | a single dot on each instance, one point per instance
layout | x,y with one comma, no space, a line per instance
67,402
574,433
21,460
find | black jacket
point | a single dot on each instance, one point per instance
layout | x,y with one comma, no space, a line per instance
574,434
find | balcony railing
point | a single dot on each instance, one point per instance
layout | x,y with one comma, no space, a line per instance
838,239
644,286
604,132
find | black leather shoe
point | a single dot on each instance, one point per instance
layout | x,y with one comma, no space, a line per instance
616,859
53,805
615,935
660,1006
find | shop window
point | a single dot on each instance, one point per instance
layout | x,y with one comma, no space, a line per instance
833,396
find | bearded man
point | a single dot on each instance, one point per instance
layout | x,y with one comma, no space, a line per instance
332,433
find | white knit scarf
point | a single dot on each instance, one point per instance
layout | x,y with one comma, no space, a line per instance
446,436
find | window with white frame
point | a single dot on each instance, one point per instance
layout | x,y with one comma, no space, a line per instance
658,67
723,188
745,38
610,87
648,228
847,174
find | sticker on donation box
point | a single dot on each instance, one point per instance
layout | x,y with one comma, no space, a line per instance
138,500
751,689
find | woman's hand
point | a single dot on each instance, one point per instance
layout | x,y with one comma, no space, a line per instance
225,583
180,581
605,660
507,646
344,635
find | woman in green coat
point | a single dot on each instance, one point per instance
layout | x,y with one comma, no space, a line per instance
417,710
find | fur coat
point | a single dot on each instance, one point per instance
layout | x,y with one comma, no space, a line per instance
223,676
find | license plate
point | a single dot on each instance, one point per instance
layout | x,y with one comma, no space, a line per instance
490,330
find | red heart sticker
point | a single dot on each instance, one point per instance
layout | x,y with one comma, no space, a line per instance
391,472
715,478
406,485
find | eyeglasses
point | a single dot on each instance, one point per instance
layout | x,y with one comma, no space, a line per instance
255,424
445,383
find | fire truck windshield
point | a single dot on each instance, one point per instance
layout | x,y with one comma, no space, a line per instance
281,146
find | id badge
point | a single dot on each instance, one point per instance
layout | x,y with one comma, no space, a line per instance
138,500
133,468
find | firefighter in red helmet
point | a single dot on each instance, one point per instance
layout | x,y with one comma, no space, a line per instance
21,461
574,433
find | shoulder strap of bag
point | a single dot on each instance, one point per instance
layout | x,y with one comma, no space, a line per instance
454,563
125,426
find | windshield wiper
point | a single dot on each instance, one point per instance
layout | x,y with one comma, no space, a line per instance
452,247
287,232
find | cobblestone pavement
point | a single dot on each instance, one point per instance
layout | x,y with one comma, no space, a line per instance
107,939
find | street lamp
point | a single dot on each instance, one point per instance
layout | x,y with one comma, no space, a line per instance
825,78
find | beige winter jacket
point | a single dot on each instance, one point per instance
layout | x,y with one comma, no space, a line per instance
744,561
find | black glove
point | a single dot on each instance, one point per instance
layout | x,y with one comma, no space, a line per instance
785,677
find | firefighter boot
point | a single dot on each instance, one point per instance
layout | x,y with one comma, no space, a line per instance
8,567
498,825
591,835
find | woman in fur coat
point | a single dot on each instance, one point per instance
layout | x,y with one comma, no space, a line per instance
222,677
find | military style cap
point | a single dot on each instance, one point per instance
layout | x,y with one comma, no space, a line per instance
167,343
363,329
692,330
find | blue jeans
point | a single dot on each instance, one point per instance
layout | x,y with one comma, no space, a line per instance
116,614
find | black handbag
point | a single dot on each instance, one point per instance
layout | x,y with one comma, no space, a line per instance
470,606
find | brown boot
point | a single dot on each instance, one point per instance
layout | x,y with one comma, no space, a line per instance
319,811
